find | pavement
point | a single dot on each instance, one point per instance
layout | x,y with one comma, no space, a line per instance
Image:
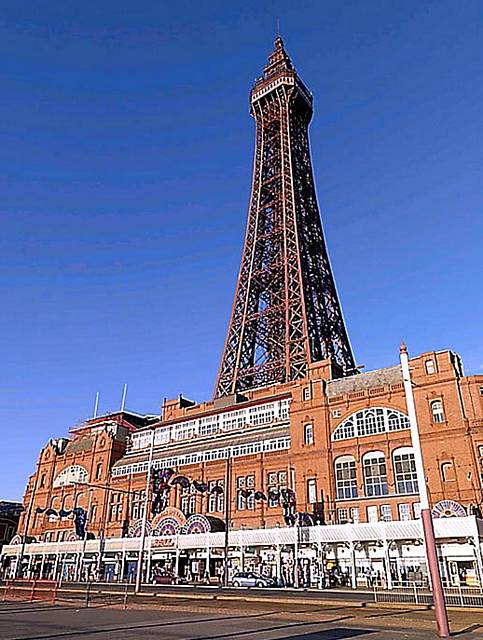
148,618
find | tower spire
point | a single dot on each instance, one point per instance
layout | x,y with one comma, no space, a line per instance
286,312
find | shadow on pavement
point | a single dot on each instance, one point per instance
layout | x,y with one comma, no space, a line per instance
330,634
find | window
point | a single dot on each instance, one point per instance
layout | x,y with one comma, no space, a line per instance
209,425
372,514
480,450
369,422
99,471
188,501
137,506
342,516
307,394
70,475
93,515
276,480
448,472
386,513
417,510
345,477
264,414
309,434
42,480
216,501
481,390
429,364
437,411
354,515
405,475
404,511
375,474
311,490
245,495
336,413
115,507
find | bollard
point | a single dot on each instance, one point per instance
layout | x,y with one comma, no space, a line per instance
125,594
87,595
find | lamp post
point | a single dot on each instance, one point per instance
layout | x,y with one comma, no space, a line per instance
227,515
81,557
427,521
139,568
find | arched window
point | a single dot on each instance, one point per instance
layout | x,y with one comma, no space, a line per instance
368,422
345,477
309,434
375,474
71,475
437,411
405,475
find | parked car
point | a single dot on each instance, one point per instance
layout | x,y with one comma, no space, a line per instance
165,577
251,579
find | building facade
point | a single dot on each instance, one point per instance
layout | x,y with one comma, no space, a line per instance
299,454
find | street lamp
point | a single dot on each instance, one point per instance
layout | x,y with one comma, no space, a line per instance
426,518
139,568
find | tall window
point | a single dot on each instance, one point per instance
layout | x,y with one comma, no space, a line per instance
311,490
375,474
404,511
342,516
99,471
309,434
354,514
245,495
372,513
115,507
137,505
345,477
386,513
437,411
188,501
216,501
405,474
275,480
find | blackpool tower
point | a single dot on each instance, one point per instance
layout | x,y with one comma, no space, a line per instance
286,313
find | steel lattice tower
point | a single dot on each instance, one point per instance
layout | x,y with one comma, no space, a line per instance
286,312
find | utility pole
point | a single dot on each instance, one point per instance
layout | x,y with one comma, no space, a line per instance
426,518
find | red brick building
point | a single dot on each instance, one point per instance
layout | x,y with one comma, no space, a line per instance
343,445
295,433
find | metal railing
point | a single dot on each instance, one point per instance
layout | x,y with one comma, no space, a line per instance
458,596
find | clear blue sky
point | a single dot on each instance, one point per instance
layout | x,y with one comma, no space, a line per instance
125,155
